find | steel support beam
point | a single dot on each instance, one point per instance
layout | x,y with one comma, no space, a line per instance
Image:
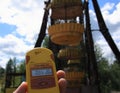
43,27
92,64
104,30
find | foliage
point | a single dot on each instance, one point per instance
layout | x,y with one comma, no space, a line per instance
10,67
2,71
21,67
46,41
9,70
109,74
14,73
115,76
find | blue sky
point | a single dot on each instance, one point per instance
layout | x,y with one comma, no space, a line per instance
6,29
20,21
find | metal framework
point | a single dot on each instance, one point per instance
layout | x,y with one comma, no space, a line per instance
92,68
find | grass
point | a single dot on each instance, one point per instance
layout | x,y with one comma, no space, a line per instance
15,83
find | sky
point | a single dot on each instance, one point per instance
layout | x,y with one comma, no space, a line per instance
20,22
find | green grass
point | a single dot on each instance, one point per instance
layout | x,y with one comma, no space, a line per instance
17,81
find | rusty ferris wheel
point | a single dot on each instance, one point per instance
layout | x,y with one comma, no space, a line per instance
68,30
70,25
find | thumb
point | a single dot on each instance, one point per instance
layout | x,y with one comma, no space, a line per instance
22,88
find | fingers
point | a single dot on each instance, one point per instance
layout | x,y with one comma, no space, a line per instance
62,85
22,88
60,74
62,82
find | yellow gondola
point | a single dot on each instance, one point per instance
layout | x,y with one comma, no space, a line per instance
66,9
66,33
69,53
74,79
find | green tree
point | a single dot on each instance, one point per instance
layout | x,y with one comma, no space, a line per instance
45,42
9,67
104,74
20,73
109,73
115,76
9,70
98,53
103,70
22,67
2,71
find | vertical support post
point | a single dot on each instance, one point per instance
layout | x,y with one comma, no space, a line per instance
43,27
92,64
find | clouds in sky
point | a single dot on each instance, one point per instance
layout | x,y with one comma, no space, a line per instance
26,16
110,12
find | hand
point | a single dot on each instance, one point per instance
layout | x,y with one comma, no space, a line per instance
61,81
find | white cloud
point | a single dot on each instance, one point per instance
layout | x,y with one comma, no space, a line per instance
113,21
116,37
12,46
26,15
108,6
104,46
111,15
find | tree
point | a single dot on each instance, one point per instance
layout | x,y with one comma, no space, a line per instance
22,67
2,70
98,53
45,42
109,73
103,70
115,76
104,74
9,69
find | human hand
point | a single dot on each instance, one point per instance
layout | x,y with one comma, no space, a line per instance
61,81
